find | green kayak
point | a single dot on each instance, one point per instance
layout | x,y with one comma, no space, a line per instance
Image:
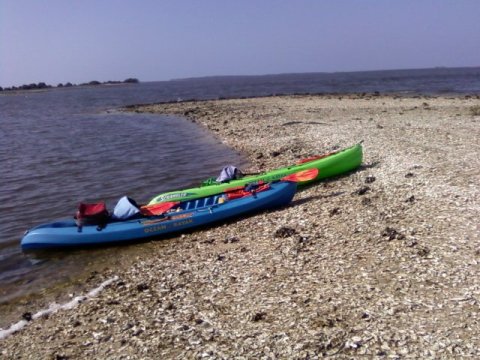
328,165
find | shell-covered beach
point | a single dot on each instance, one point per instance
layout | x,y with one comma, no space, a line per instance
382,262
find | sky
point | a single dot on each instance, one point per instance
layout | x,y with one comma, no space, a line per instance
59,41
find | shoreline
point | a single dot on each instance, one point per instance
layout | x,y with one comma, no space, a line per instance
387,271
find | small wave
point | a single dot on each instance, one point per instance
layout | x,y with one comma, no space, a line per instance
53,308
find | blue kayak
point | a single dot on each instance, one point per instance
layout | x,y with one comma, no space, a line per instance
186,215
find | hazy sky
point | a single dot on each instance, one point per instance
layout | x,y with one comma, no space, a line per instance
81,40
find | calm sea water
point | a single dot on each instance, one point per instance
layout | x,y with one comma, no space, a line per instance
62,146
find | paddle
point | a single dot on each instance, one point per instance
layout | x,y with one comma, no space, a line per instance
301,176
161,208
241,191
158,209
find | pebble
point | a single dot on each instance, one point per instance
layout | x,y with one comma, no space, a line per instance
306,284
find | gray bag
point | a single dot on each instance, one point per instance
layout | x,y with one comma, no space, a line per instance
228,173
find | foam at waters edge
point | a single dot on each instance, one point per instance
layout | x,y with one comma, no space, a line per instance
55,307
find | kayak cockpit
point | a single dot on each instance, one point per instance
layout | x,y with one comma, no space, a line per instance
200,203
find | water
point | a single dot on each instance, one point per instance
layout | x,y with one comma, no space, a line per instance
422,81
62,146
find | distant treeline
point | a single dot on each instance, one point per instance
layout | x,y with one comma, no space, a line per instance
42,85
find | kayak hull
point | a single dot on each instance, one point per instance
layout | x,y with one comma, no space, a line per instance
330,165
192,214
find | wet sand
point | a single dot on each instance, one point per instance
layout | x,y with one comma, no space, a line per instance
382,262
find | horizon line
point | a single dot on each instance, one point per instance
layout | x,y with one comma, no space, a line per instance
264,75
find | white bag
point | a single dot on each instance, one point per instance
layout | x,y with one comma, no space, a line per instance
125,209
